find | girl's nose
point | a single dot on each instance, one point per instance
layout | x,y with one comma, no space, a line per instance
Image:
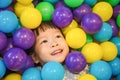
54,44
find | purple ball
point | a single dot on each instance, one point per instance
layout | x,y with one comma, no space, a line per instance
9,45
91,23
29,63
62,17
116,11
24,38
60,4
15,59
75,62
115,29
79,12
3,41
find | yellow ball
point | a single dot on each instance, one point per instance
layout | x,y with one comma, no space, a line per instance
76,38
109,50
31,18
19,8
92,52
13,76
104,10
25,2
87,77
72,25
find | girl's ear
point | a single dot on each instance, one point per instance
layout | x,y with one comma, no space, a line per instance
35,58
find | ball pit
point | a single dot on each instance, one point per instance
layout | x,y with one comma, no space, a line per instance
104,10
46,9
87,77
8,21
31,74
67,15
52,71
92,52
75,62
101,70
13,76
109,50
2,68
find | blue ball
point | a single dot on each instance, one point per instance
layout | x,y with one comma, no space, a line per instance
90,2
116,41
31,74
118,77
2,68
115,65
104,34
101,70
8,21
51,1
52,71
5,3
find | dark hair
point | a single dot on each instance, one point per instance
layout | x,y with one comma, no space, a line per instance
44,26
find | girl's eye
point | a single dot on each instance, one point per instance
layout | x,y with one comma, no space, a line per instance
44,41
58,36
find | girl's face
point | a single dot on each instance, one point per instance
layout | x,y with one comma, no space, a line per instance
51,46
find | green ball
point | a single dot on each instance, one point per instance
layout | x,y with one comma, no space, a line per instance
46,9
73,3
89,38
118,20
113,2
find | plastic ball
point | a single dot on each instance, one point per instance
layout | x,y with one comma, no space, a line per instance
2,68
31,74
24,38
101,70
60,4
73,3
8,21
13,76
46,9
112,2
5,3
29,64
118,20
104,10
15,59
91,23
71,26
79,12
104,34
76,38
92,52
3,41
115,65
116,11
114,27
89,38
52,71
31,18
116,41
9,45
19,8
109,50
75,62
62,17
25,2
118,77
87,77
90,2
51,1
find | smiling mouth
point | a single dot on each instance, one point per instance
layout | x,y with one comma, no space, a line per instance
57,52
